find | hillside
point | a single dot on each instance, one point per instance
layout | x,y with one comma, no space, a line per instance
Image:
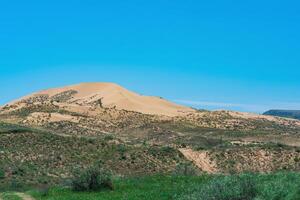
31,156
284,113
44,136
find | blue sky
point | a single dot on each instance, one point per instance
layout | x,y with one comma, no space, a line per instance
240,55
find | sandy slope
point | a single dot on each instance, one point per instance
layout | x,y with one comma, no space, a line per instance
113,95
200,159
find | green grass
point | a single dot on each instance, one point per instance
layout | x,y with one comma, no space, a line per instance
10,196
154,187
278,186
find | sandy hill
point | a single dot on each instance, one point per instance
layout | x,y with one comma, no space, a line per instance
103,118
109,95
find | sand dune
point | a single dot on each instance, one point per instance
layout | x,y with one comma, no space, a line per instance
113,95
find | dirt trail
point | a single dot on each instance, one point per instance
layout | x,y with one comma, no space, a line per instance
24,196
200,159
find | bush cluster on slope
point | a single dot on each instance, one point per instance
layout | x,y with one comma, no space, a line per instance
95,178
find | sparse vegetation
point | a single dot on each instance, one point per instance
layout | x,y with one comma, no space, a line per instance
35,157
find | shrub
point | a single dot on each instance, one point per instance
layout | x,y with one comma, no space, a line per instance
16,185
281,187
95,178
44,190
226,188
108,137
121,148
168,150
185,169
296,194
2,174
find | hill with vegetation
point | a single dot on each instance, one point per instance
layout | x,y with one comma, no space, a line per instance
47,136
284,113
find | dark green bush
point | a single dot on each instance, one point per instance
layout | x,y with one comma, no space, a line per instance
2,174
16,185
168,150
108,137
95,178
121,148
44,190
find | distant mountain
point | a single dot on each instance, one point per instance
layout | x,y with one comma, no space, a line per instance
284,113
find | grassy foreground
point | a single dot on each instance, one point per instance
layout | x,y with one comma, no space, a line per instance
10,196
278,186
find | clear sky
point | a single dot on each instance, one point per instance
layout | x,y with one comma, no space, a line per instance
242,55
